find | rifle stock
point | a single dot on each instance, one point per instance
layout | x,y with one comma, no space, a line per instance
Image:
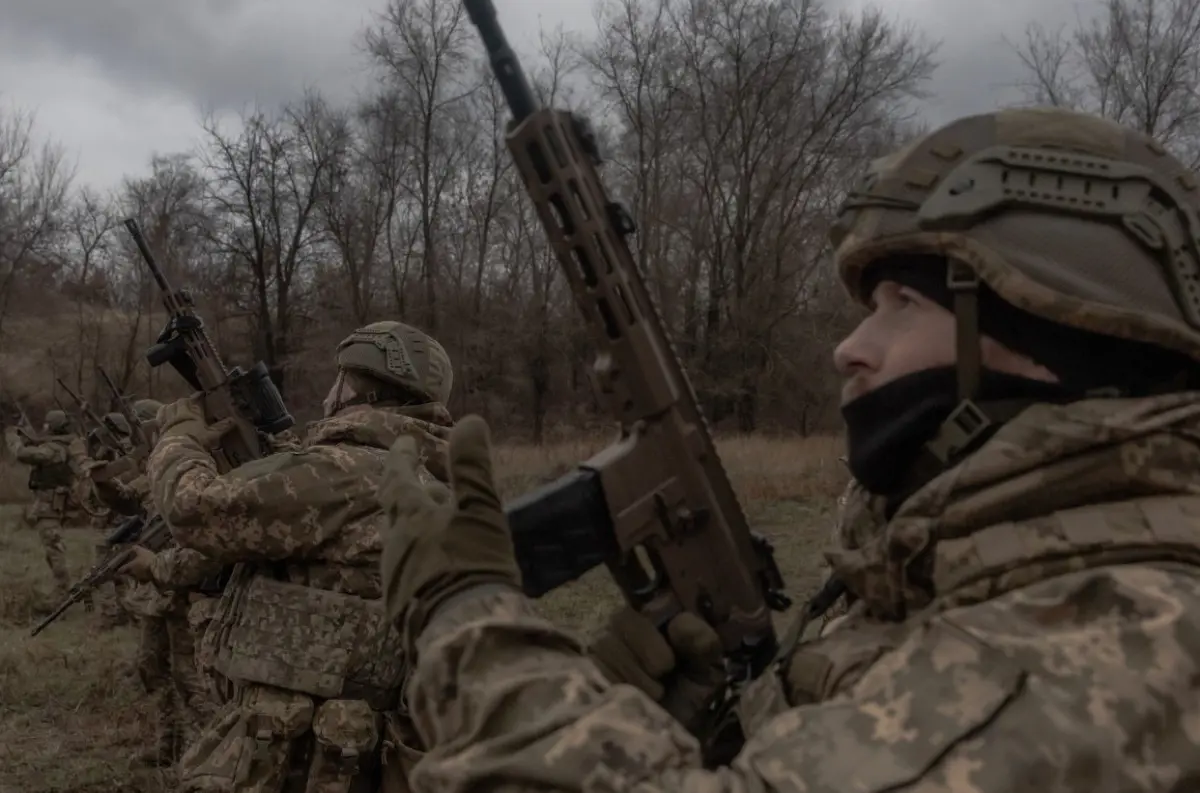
249,398
657,506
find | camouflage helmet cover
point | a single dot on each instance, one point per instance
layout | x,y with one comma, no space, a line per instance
1065,215
118,423
146,409
57,421
399,355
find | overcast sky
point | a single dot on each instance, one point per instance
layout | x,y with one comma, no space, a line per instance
117,80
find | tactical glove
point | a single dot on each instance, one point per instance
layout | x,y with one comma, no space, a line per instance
680,670
186,417
433,551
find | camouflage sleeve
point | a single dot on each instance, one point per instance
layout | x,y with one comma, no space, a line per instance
181,568
77,456
944,711
39,453
127,498
274,508
13,440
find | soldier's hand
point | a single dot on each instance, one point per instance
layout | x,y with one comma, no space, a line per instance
140,566
433,551
185,417
681,668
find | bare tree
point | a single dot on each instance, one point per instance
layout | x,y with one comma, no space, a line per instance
87,226
360,198
264,184
34,184
739,116
1137,63
423,48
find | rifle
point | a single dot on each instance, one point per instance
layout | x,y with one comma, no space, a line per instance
107,436
249,398
656,507
140,442
24,425
134,530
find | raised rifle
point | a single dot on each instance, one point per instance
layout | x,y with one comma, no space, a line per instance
105,433
24,425
141,443
656,507
250,398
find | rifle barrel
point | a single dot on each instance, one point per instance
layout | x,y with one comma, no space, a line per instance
134,231
505,64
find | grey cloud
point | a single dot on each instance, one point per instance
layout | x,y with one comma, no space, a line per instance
219,53
226,54
978,69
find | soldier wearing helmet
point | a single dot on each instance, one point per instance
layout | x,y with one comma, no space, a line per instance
164,593
55,460
303,525
1021,546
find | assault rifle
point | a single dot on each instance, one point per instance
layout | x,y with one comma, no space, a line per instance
134,530
24,425
141,444
249,398
656,507
106,434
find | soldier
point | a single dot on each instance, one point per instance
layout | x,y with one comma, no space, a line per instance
56,460
300,628
1019,406
100,511
172,582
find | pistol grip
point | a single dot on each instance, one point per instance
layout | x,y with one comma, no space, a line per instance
560,531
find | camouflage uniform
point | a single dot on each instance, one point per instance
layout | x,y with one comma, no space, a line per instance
56,461
102,514
165,663
300,628
1028,618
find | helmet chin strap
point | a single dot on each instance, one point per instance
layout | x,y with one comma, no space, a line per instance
968,421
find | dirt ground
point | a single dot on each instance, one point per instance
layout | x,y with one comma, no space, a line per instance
72,714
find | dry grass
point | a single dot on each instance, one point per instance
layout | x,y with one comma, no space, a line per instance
70,717
13,479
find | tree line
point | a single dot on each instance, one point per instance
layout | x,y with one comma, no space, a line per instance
731,129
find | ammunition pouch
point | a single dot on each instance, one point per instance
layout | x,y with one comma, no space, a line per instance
298,638
51,477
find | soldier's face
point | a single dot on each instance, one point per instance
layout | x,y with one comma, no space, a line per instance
907,332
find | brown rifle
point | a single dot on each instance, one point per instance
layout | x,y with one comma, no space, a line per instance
249,398
657,506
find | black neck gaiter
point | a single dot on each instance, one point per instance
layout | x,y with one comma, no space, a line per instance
887,428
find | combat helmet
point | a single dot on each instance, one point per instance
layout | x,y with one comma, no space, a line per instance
146,409
1066,216
58,422
118,424
399,355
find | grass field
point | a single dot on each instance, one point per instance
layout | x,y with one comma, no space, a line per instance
71,717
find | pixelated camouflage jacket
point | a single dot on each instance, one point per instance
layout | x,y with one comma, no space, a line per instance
314,509
51,450
1030,620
